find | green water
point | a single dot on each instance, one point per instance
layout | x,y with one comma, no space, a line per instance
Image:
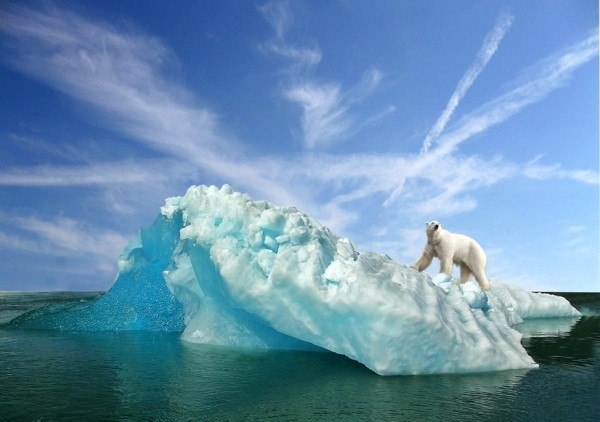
53,375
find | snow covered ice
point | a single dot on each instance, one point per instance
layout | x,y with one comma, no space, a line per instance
226,270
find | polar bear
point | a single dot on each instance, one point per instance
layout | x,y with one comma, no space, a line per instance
451,249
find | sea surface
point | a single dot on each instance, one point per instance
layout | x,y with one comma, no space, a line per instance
57,375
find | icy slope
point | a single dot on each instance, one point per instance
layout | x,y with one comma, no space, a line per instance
250,274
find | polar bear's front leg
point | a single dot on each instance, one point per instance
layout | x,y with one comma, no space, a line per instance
446,266
423,262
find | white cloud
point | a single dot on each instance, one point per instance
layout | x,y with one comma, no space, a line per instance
96,173
544,78
370,82
328,111
326,107
324,117
119,72
547,76
575,229
122,75
577,241
555,171
63,237
300,56
489,47
279,16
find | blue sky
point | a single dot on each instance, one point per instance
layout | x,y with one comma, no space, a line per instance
372,117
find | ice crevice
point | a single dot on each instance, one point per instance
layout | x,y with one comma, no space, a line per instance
226,270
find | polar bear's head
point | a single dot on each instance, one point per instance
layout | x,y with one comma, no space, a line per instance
432,226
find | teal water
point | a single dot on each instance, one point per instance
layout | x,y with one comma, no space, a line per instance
56,375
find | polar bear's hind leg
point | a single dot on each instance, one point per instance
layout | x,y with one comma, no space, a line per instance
479,274
465,273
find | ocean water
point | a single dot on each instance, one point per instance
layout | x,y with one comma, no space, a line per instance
56,375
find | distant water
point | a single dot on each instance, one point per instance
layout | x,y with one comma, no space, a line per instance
53,375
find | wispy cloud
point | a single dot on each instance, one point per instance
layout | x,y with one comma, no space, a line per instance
299,56
489,47
324,115
118,72
537,171
326,106
575,229
124,75
542,79
328,110
63,237
279,15
97,173
121,73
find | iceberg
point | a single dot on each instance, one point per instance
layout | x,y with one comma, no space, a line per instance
223,269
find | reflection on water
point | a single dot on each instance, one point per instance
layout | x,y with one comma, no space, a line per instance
546,327
146,375
156,376
312,384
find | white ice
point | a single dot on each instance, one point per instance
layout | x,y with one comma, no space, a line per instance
252,274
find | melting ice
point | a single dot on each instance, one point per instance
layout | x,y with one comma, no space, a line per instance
226,270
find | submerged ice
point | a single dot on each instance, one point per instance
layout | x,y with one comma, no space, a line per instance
226,270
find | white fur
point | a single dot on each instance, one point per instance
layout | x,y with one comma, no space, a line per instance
451,249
